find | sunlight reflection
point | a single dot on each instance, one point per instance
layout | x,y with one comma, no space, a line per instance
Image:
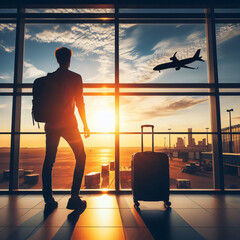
103,201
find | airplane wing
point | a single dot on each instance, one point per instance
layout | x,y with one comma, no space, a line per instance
188,67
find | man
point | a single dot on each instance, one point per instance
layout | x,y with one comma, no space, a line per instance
69,90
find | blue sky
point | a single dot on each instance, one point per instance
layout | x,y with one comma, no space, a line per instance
142,47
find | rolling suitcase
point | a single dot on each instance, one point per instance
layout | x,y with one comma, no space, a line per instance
150,175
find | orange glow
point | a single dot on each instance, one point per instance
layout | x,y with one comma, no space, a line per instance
104,120
105,19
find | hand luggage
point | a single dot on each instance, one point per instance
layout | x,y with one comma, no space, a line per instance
47,104
150,175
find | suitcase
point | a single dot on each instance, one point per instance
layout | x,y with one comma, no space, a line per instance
150,175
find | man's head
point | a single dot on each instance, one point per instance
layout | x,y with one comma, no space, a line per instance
63,56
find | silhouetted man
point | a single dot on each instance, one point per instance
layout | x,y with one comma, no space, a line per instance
68,86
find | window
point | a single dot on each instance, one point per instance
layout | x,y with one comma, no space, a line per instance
228,49
179,101
144,46
7,51
92,46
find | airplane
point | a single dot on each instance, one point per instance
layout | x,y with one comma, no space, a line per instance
177,64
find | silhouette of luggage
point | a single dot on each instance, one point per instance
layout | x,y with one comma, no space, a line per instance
150,175
46,103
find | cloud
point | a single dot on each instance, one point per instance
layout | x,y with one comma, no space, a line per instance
90,38
93,40
225,32
167,107
30,71
4,77
71,10
8,49
7,27
194,36
2,106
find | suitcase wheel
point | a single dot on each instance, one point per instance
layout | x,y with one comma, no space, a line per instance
167,204
136,204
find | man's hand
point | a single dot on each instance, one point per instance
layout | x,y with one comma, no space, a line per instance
86,132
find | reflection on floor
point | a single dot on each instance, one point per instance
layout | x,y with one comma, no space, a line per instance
113,217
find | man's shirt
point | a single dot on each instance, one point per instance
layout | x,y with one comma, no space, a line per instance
69,90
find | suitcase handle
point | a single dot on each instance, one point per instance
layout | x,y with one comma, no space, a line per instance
142,127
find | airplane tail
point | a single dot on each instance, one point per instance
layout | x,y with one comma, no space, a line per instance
196,56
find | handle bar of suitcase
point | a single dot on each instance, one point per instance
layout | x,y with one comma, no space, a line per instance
142,127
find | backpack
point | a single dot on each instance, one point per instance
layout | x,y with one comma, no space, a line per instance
45,103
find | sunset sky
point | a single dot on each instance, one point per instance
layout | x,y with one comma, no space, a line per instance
142,47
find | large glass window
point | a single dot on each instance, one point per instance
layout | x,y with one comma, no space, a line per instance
144,46
92,46
175,100
187,153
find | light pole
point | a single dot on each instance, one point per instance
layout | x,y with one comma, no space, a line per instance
170,155
207,138
230,128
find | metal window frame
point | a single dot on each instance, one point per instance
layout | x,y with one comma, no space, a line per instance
209,19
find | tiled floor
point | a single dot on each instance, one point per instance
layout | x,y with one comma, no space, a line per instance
193,216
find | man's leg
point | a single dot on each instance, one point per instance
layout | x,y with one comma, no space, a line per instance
74,139
52,141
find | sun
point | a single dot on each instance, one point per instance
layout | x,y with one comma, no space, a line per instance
105,120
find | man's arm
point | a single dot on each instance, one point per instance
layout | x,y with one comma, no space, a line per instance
81,108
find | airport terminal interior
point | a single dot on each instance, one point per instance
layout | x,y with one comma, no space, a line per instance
171,66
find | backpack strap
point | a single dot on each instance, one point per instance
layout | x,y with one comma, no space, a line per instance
34,121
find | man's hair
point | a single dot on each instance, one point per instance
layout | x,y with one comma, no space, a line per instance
63,55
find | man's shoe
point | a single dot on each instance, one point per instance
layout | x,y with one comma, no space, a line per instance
50,206
76,204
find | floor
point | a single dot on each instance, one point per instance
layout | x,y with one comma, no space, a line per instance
193,216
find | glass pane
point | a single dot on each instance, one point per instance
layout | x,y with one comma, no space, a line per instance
177,113
99,112
99,90
225,10
230,117
7,52
229,89
6,90
26,117
160,10
6,114
92,46
164,90
190,159
229,111
8,10
228,50
5,141
145,46
70,10
100,157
